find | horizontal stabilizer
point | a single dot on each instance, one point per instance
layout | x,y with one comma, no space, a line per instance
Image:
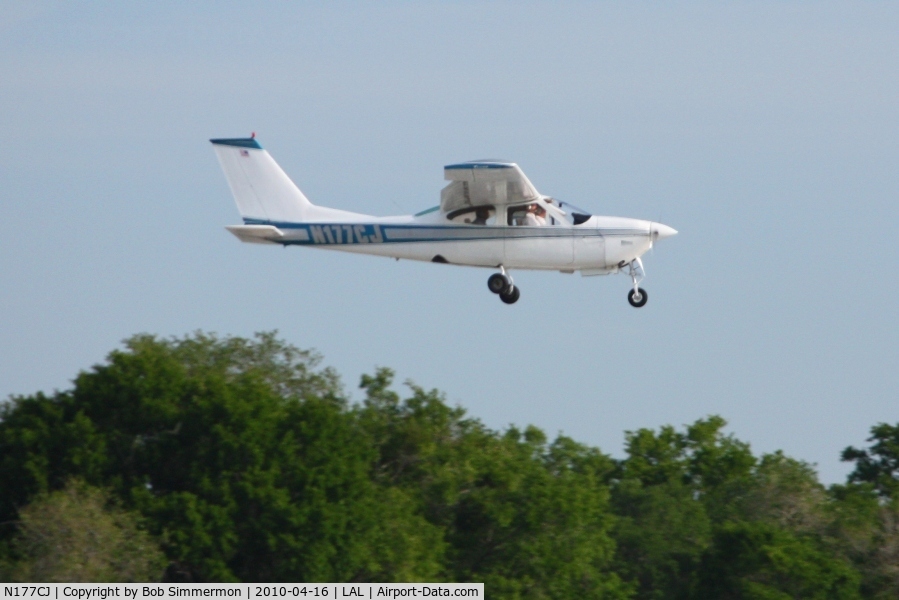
257,234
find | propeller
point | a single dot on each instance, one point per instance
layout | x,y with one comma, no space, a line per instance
659,231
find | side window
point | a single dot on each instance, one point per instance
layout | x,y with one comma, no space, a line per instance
478,215
533,214
517,215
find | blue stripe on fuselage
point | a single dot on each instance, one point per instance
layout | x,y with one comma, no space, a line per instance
332,234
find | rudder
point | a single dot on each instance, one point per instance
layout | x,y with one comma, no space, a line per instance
261,189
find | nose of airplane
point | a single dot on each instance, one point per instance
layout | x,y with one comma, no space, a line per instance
660,232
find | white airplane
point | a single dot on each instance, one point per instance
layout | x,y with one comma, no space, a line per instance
490,215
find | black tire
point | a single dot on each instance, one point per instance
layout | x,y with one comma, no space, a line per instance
637,303
510,297
498,283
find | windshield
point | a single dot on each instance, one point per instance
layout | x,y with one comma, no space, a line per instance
578,215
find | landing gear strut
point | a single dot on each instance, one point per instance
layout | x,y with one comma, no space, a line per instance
637,296
501,283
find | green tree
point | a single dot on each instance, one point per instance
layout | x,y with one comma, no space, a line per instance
669,492
246,460
242,456
661,533
77,535
879,464
866,530
786,493
528,518
749,561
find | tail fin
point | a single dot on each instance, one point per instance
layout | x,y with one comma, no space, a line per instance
261,188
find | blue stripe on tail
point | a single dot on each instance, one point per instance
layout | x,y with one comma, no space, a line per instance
239,142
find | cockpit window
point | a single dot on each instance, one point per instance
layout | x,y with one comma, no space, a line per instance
532,215
516,215
577,215
546,211
475,215
578,218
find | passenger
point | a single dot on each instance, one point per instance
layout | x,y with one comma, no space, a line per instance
481,215
536,215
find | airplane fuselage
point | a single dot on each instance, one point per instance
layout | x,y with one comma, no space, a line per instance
599,244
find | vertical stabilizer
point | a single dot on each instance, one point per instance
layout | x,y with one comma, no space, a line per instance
261,188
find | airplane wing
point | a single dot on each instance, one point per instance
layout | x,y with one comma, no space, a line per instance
482,182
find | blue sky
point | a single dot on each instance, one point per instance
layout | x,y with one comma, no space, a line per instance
765,132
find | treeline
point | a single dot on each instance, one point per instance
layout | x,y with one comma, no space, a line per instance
208,459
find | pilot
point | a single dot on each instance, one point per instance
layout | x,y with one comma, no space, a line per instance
481,215
536,215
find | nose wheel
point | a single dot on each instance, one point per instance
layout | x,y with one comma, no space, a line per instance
637,297
501,284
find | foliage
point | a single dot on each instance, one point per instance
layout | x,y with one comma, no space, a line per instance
241,456
75,535
248,462
528,518
668,492
764,562
879,465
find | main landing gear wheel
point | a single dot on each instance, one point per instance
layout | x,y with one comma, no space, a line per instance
637,297
499,283
511,296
